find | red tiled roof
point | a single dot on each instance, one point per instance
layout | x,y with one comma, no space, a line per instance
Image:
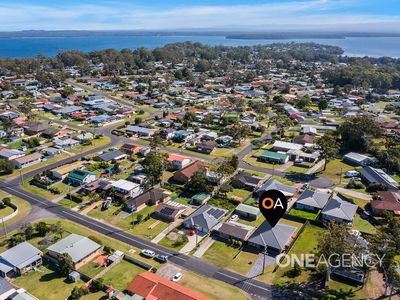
152,286
176,157
189,170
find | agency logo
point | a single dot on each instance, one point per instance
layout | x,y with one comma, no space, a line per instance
273,205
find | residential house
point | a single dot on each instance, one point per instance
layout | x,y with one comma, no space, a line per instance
205,218
124,188
273,184
247,212
178,161
312,200
357,159
184,175
200,199
388,201
206,147
27,160
273,239
34,128
79,177
234,231
19,259
65,143
373,175
286,146
51,152
131,149
140,131
244,180
148,198
11,154
113,156
169,212
6,289
61,172
152,286
273,157
339,210
81,249
304,139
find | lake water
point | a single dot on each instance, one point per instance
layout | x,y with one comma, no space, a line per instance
29,47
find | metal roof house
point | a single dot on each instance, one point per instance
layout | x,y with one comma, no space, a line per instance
19,260
80,248
275,239
312,200
205,218
247,212
339,210
373,175
274,157
273,184
357,159
80,177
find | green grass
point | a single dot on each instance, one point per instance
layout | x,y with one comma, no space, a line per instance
223,256
296,169
46,283
239,193
111,215
169,243
254,223
211,288
46,194
334,168
122,274
91,269
23,208
363,225
4,212
304,214
104,140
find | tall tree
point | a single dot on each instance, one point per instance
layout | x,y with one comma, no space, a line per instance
329,147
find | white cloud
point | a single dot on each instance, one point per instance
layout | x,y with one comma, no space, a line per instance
294,14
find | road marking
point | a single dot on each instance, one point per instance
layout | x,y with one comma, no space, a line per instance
245,281
28,196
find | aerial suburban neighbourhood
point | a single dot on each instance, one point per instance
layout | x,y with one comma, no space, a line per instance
137,174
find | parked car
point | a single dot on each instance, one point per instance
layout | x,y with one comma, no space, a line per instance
162,258
352,173
191,232
177,277
148,253
234,217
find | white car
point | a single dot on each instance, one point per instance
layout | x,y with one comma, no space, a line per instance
177,277
148,253
234,217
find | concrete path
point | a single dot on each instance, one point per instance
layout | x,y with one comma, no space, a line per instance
91,207
257,267
167,230
285,166
191,244
354,194
317,166
204,247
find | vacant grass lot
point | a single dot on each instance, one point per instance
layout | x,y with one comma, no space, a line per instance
23,208
227,257
211,288
46,194
122,274
363,225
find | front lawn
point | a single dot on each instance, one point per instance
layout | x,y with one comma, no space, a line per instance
240,193
174,240
122,274
211,288
224,256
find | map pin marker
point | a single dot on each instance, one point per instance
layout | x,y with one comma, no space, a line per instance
273,205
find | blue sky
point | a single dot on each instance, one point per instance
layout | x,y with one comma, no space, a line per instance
361,15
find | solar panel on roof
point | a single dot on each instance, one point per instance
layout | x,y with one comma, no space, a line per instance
167,211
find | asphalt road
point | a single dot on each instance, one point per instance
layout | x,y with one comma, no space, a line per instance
187,262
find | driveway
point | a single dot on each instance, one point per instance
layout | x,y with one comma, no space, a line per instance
204,247
191,244
167,230
354,194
